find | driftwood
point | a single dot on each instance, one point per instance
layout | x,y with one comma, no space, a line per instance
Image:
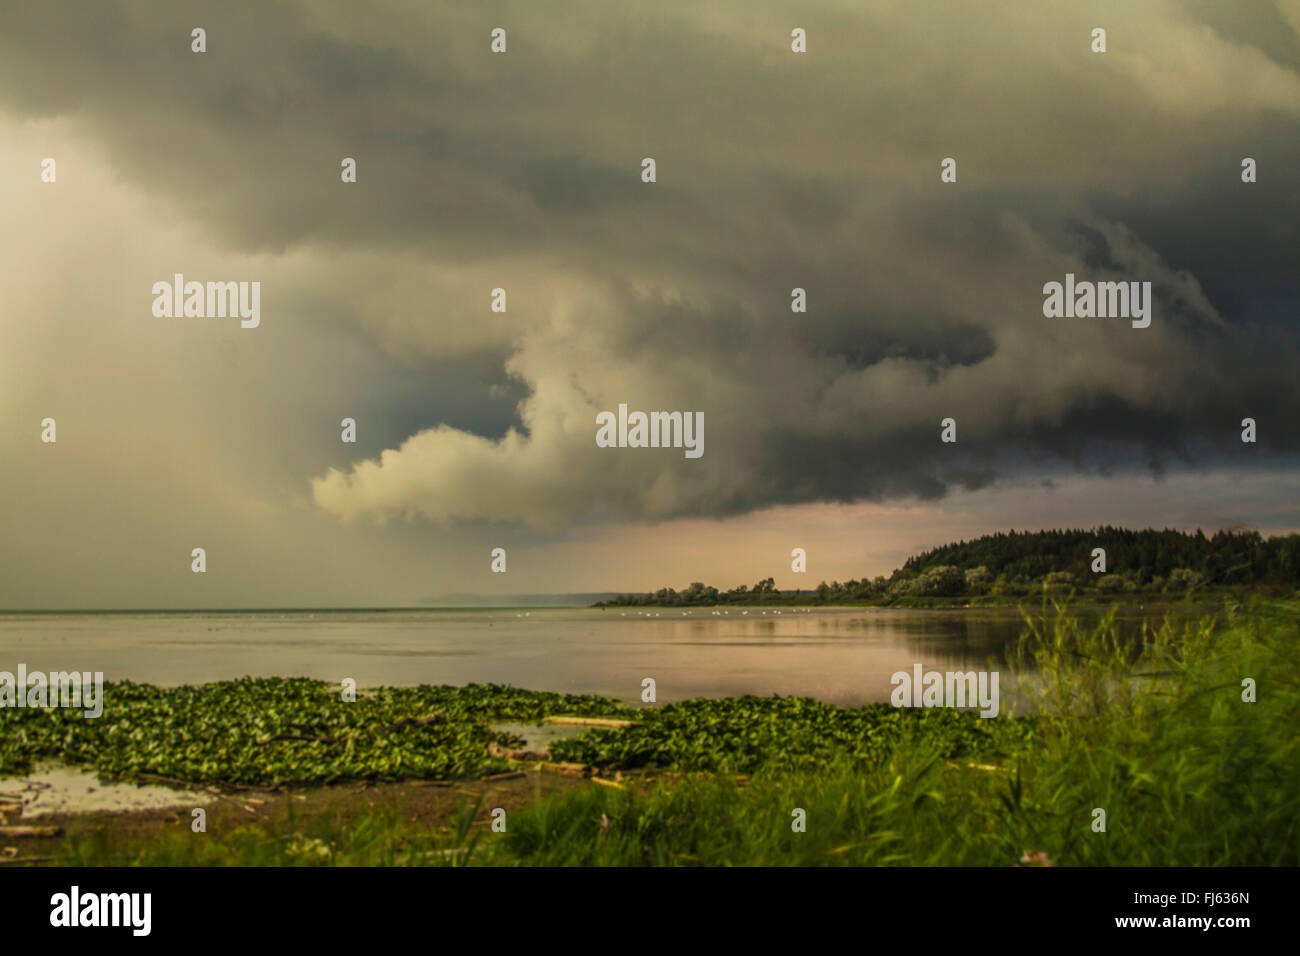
26,831
587,722
510,775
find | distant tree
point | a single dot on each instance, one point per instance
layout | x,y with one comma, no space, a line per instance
1016,564
1184,579
978,580
944,580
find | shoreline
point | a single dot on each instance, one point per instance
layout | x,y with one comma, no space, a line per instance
1204,596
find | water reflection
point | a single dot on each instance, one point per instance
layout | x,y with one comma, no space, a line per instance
843,655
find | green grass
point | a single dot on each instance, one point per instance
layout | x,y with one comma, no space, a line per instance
379,838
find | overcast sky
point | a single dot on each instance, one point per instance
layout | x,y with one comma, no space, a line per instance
522,170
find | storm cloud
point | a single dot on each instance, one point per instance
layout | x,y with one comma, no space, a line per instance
775,170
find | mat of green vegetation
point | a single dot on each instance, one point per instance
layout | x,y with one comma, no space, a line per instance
283,731
741,735
276,732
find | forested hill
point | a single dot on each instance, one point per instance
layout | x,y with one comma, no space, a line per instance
1227,558
1013,564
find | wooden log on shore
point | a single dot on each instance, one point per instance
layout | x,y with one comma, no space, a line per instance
28,831
587,722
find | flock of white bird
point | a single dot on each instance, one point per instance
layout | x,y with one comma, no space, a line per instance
793,610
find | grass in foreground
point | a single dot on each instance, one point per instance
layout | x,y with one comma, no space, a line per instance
1154,732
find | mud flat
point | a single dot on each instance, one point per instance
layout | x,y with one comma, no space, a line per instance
56,789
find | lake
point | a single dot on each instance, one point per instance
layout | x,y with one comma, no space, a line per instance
841,655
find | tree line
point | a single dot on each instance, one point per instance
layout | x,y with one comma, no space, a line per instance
1015,564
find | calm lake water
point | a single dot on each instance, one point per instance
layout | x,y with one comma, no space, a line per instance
844,656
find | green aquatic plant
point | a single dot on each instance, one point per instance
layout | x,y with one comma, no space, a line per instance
744,734
278,731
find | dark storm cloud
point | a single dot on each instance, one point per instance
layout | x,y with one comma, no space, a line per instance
1241,242
775,171
1259,25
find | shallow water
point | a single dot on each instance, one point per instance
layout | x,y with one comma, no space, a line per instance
841,655
59,789
538,737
